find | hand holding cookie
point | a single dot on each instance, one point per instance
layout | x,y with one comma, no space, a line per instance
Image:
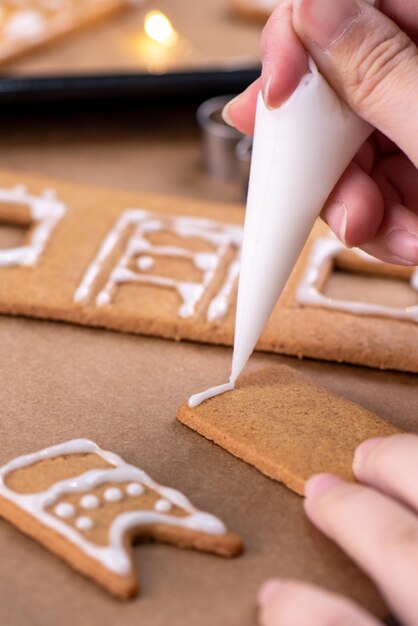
372,62
375,523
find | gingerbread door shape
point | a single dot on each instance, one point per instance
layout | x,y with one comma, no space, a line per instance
88,505
139,254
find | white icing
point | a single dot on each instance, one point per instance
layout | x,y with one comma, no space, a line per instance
163,506
134,489
64,510
219,306
25,24
84,523
198,398
113,555
145,263
89,501
113,494
222,236
308,292
45,211
299,152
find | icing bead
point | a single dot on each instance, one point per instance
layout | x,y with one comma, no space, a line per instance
113,494
145,263
84,523
89,501
163,506
64,510
134,489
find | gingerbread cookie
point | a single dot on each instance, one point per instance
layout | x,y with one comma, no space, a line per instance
286,426
346,306
87,506
160,266
27,24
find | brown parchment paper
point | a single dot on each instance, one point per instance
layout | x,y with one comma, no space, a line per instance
58,382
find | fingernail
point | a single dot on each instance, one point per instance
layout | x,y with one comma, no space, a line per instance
336,215
268,590
319,484
266,80
363,450
326,21
226,111
404,245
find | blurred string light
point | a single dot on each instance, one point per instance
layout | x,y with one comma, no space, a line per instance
159,28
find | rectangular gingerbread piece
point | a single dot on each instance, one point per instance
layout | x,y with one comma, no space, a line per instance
169,267
28,24
287,426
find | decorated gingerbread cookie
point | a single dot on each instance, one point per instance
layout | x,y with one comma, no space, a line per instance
346,306
87,506
166,267
26,24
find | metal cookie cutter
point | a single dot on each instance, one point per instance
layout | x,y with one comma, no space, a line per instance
226,151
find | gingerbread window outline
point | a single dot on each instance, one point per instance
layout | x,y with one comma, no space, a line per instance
309,292
45,211
222,236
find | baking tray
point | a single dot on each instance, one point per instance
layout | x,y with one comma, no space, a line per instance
209,51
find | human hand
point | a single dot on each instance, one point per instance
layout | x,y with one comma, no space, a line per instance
375,522
373,65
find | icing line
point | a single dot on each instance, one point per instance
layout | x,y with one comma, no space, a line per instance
114,555
45,210
222,236
308,292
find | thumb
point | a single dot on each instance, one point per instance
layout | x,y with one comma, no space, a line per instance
368,60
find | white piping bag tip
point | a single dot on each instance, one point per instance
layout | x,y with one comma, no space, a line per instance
300,150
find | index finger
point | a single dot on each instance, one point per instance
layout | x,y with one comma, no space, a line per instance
285,61
378,533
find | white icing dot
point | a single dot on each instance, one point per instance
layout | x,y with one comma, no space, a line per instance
134,489
113,494
64,510
162,506
84,523
90,501
145,263
102,299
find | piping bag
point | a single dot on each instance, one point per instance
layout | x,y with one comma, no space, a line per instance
300,151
